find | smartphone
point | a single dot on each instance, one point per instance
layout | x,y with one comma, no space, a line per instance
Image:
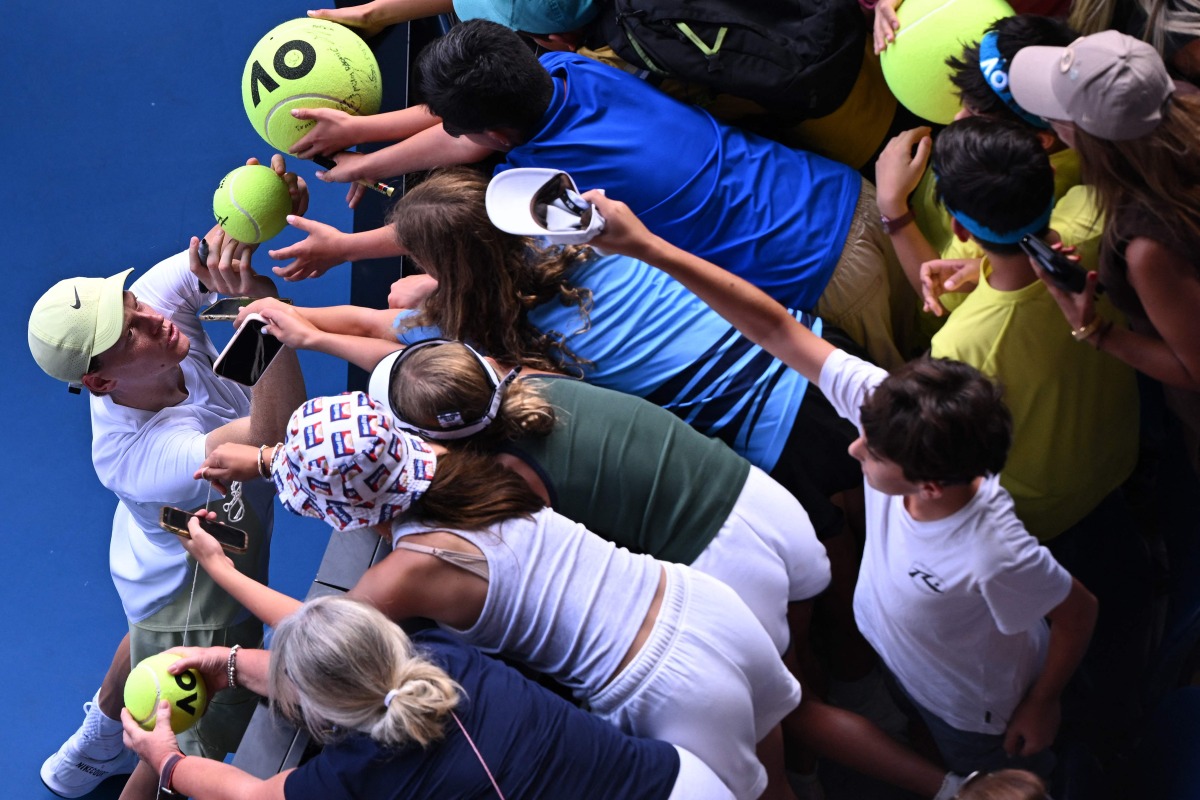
248,353
227,308
176,521
1064,273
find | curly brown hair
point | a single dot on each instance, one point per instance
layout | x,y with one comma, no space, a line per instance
487,279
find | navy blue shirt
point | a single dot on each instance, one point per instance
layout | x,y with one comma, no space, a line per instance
536,744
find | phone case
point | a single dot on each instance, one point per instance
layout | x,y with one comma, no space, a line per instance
1065,273
224,534
244,361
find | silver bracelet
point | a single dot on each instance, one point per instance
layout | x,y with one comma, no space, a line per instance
231,666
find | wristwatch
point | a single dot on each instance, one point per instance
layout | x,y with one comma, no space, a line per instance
893,224
164,777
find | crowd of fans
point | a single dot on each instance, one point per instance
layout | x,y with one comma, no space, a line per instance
802,457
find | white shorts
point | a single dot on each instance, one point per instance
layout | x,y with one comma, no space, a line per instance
708,679
767,552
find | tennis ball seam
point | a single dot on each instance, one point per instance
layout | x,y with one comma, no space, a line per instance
157,696
249,217
339,102
919,22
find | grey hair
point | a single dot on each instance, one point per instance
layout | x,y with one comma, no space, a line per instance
335,660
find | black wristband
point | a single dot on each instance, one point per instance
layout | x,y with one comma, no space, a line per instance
168,771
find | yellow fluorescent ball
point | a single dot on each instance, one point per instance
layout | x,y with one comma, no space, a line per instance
150,682
307,63
252,203
931,31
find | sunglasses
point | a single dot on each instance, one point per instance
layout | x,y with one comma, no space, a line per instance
557,206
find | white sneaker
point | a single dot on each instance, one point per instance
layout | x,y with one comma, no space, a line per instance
74,770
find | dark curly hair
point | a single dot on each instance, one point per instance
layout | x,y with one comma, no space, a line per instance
940,420
1012,33
482,76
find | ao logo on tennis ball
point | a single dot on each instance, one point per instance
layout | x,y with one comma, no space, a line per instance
307,63
149,682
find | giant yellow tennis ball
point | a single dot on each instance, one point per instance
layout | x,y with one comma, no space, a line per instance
251,204
307,63
931,31
149,682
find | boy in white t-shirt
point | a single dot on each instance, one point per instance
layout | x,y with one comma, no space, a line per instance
953,593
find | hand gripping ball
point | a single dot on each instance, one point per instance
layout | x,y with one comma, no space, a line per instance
931,31
251,204
307,63
149,682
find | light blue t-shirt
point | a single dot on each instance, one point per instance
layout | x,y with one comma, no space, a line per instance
651,337
777,217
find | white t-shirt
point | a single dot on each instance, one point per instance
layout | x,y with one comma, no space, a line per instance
147,458
956,607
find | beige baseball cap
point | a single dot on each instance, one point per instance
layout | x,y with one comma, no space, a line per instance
76,320
1111,85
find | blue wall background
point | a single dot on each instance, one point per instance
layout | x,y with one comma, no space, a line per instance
120,120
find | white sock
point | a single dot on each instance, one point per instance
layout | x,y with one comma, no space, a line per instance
107,726
101,735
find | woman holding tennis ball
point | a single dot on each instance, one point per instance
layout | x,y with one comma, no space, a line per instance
420,717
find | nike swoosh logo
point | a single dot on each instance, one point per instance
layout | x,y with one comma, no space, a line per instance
77,304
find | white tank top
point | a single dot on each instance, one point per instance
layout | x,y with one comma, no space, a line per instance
560,599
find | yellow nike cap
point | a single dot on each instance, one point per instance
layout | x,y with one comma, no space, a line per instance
76,320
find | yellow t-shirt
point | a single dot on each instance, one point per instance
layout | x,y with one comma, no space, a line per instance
1074,408
1075,218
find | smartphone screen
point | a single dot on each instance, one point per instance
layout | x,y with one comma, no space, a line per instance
248,353
176,521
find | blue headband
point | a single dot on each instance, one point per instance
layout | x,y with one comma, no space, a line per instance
984,233
995,72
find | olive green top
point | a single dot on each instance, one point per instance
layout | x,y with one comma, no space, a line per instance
632,472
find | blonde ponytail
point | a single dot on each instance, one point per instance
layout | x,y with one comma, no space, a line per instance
418,708
335,661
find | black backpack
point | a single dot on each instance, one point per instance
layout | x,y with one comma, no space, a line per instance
796,58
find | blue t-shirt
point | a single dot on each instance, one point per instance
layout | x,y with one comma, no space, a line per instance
536,744
649,336
777,217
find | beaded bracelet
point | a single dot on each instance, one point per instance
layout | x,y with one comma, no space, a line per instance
231,666
263,470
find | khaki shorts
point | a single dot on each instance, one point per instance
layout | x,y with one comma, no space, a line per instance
868,295
202,614
220,730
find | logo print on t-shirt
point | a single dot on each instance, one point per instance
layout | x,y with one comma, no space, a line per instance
925,579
